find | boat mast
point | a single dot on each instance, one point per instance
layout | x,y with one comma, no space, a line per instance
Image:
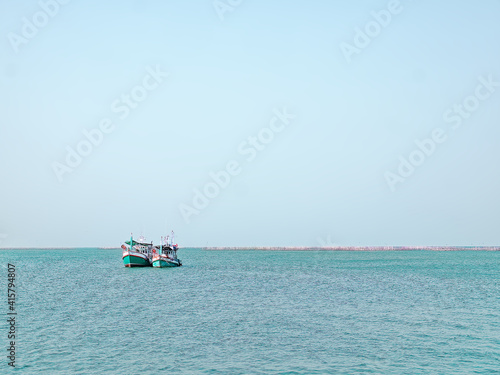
131,236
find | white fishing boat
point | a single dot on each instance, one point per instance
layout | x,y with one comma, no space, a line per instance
165,254
137,253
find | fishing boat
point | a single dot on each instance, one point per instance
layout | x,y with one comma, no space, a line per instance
137,253
165,254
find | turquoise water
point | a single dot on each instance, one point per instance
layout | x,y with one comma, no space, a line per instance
255,312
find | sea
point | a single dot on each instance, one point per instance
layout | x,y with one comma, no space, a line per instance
80,311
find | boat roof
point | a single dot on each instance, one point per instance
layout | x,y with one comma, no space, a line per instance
163,247
134,242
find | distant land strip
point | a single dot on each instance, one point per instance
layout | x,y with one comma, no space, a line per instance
290,248
361,248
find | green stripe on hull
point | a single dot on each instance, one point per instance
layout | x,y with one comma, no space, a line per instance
163,264
133,261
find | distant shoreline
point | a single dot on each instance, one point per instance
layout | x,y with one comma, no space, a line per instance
361,248
294,248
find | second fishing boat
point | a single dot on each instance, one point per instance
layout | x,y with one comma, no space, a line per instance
165,254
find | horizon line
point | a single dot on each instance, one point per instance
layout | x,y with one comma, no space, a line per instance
296,248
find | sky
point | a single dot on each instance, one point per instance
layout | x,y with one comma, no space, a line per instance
249,123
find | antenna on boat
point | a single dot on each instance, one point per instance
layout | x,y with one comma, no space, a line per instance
172,239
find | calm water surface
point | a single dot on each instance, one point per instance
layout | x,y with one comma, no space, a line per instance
255,312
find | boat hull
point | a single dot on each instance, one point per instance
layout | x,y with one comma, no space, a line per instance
164,263
135,260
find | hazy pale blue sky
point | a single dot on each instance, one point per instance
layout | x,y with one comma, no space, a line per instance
322,178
